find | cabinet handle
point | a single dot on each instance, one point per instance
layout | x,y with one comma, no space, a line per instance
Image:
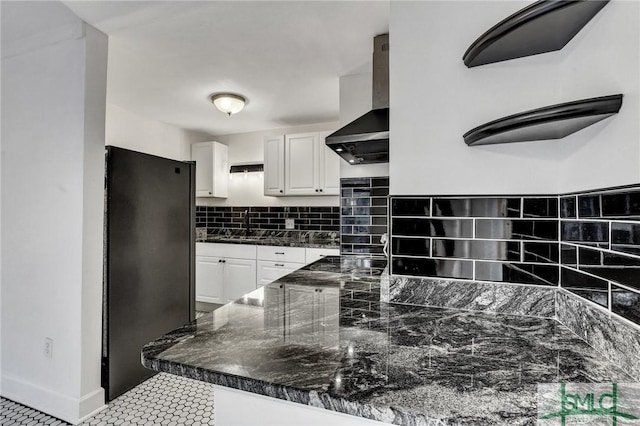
279,252
316,190
224,261
279,264
210,192
219,260
281,191
320,189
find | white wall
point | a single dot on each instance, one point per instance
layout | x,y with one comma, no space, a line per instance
128,130
53,97
355,100
435,99
248,190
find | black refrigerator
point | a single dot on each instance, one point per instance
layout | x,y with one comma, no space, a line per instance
149,284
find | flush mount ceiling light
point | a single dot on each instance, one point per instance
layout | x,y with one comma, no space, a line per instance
229,103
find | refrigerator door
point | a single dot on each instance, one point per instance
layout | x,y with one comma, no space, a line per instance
149,259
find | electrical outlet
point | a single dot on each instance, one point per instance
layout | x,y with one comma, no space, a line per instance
48,347
289,223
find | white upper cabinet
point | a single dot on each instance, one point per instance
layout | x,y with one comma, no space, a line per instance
301,164
304,163
212,169
330,168
274,165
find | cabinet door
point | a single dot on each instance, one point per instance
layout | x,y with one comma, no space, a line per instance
209,279
220,170
202,154
301,164
313,254
239,278
329,170
271,271
212,169
301,316
274,166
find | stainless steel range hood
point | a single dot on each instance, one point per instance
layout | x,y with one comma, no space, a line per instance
366,139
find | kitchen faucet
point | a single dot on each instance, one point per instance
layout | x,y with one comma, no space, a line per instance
247,225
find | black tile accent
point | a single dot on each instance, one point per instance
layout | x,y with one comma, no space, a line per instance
611,266
589,206
625,237
379,220
273,218
585,242
517,229
568,207
576,279
355,182
518,273
456,228
411,207
568,255
476,249
356,220
382,181
364,213
621,205
540,207
585,232
432,268
356,239
411,246
625,303
541,252
601,297
476,207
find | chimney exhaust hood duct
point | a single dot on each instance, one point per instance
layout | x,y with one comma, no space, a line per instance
366,139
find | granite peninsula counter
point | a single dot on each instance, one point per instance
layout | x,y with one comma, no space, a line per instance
321,337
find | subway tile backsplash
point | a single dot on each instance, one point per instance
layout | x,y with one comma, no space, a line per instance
269,218
587,243
364,214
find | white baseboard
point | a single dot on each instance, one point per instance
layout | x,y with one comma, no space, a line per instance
71,410
231,409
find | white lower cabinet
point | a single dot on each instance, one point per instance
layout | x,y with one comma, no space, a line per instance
209,279
224,272
239,278
275,262
313,254
269,271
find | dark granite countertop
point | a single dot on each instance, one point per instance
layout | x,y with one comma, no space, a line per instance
310,239
394,363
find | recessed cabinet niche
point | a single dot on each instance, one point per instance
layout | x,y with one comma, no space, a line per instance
300,164
212,169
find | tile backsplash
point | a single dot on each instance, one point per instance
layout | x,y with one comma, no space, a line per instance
269,218
364,214
587,243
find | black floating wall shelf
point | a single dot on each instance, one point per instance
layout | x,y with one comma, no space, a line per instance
246,168
551,122
542,27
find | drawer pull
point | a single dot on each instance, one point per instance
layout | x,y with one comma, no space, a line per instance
279,252
279,264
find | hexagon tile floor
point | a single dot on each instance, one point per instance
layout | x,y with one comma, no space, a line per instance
164,399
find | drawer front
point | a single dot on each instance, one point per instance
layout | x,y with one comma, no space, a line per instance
282,254
314,254
269,271
237,251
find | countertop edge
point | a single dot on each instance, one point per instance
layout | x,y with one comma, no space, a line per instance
287,393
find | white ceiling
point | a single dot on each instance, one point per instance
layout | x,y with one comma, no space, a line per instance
166,58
